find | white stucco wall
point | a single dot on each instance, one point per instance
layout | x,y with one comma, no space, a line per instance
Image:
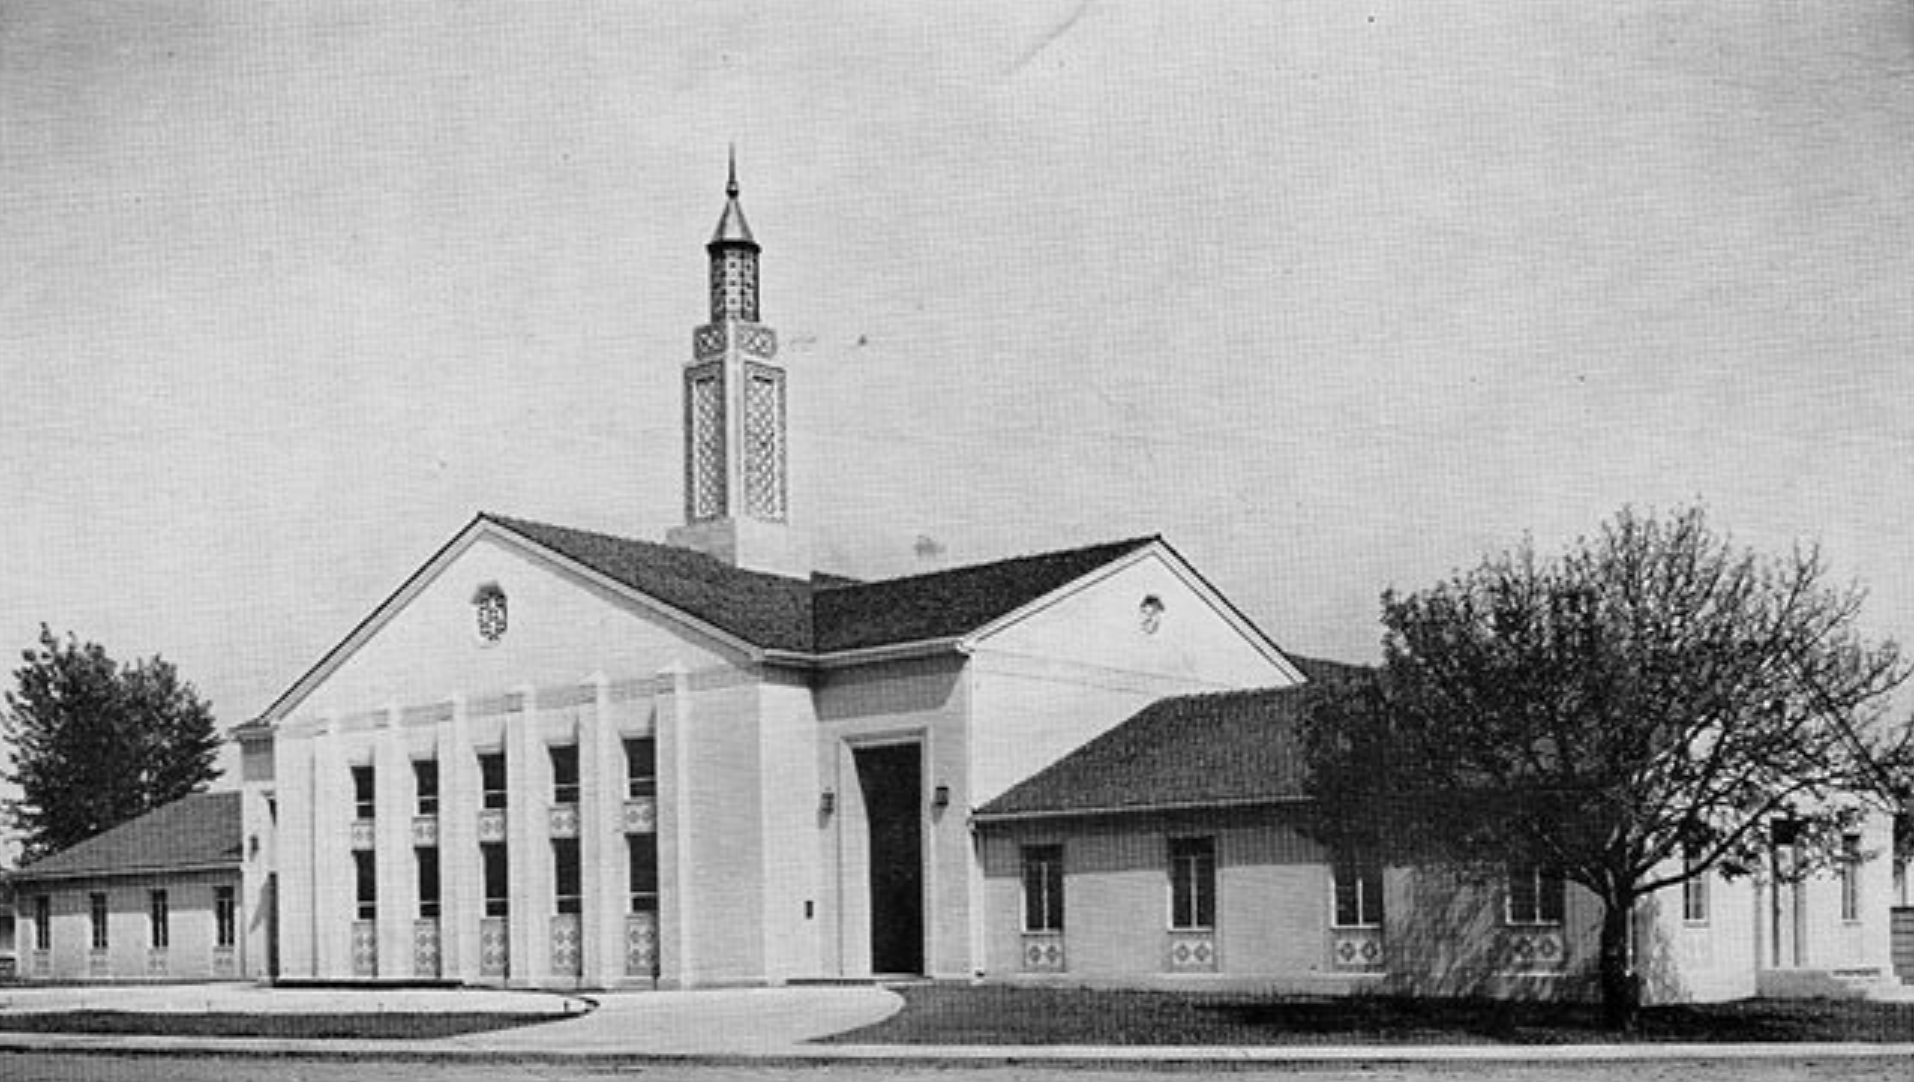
926,702
563,630
1063,674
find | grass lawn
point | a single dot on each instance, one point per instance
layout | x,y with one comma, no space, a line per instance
417,1027
987,1014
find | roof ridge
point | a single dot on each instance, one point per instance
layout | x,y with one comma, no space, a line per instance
514,522
1124,544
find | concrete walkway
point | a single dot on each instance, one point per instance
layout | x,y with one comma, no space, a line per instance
239,997
765,1025
721,1022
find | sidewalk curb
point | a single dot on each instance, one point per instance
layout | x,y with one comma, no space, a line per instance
1074,1056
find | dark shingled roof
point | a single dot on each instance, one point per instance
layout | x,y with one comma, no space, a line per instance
193,832
1231,747
824,613
769,611
945,604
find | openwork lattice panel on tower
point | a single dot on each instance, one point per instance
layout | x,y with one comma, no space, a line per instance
764,443
704,434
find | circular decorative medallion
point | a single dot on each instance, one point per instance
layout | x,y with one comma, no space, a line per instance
1149,614
488,605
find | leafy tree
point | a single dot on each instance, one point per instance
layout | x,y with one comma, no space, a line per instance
96,743
1641,710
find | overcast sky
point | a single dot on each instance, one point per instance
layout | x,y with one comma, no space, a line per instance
1335,296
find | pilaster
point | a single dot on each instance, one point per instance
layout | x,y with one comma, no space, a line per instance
601,837
392,852
530,857
459,901
677,956
330,854
294,849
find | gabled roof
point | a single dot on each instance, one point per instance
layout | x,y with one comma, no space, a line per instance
946,604
1227,748
824,613
767,611
195,832
801,619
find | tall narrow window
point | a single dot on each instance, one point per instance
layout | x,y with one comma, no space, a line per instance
225,916
364,803
641,767
498,887
158,920
565,774
1850,877
365,875
96,911
1192,883
642,849
1357,884
492,778
1694,889
428,862
565,875
1537,895
1043,888
425,783
42,923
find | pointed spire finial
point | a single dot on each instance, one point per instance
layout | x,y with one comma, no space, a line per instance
731,227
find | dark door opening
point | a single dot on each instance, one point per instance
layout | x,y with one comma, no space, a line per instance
891,780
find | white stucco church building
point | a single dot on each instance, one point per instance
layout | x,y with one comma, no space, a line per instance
557,758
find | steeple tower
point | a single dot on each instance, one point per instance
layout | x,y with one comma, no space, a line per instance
736,503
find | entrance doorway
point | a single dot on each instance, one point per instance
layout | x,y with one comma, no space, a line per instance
891,779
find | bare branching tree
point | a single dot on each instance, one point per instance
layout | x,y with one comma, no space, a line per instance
1639,711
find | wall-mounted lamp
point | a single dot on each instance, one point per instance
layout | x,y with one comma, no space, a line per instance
940,797
826,802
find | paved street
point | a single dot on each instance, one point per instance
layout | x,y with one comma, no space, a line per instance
73,1068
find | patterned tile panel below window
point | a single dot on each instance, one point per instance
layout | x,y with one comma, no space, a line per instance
425,947
1192,952
641,815
365,948
425,831
225,962
1533,950
156,962
1042,952
491,825
566,952
494,947
564,821
641,944
99,964
1356,949
363,834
